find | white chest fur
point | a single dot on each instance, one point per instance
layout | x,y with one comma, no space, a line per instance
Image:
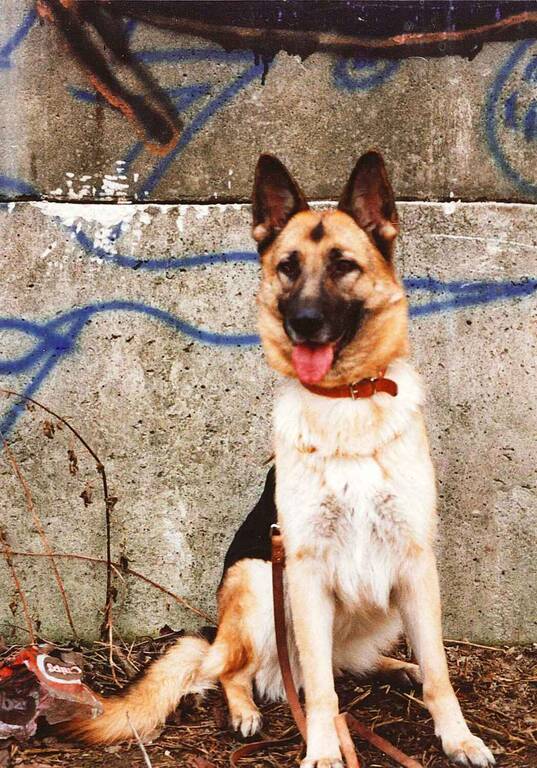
355,485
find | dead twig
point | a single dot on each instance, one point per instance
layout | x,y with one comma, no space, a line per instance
30,506
139,742
110,501
475,645
125,569
8,552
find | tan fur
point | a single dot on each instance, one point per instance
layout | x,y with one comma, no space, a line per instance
384,335
189,666
355,485
233,649
146,703
234,604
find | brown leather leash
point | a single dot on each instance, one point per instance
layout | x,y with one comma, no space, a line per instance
257,746
278,601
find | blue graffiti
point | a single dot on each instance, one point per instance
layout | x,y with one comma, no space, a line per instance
363,74
45,343
165,263
355,74
508,109
53,340
184,98
458,294
254,71
209,97
10,46
10,186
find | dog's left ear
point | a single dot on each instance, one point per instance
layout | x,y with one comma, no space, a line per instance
368,198
276,197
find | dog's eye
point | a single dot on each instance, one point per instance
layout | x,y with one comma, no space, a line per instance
290,266
340,267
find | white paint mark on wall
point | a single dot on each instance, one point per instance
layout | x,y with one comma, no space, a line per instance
449,208
107,215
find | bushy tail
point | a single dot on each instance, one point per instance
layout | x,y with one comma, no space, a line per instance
145,705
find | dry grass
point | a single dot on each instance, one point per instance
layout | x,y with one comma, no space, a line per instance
497,689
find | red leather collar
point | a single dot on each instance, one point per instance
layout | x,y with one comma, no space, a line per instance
363,388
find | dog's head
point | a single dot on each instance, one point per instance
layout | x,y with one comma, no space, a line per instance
332,310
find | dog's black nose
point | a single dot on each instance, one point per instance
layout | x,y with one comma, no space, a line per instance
306,323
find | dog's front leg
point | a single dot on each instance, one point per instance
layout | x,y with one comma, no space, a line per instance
419,603
312,607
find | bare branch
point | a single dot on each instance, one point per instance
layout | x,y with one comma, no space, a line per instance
124,569
140,743
109,502
30,506
8,552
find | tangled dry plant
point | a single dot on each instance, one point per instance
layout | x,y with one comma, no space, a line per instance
109,502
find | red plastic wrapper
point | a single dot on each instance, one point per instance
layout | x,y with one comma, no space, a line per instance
42,680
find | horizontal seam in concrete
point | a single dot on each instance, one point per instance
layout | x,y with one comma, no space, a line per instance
225,202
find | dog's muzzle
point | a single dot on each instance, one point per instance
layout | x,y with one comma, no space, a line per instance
307,325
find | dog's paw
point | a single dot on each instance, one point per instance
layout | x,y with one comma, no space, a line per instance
247,722
469,751
322,762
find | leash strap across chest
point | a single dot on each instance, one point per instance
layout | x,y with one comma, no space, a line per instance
343,721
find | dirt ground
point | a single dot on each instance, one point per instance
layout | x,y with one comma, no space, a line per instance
497,688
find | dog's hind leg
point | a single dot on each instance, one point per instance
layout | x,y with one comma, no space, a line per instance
360,642
234,656
244,714
398,673
232,661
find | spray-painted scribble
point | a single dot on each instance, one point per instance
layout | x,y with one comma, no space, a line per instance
15,39
10,187
363,74
511,118
52,340
196,102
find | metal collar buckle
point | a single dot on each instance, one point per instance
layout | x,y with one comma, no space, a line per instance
363,388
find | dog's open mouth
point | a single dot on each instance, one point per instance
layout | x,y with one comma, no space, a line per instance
312,362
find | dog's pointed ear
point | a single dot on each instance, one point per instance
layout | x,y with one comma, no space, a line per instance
368,197
276,197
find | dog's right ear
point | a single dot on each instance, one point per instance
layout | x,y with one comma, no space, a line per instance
276,197
368,197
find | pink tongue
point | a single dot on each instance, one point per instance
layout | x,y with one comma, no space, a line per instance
312,364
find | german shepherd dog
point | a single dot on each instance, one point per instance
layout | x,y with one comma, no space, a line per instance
353,486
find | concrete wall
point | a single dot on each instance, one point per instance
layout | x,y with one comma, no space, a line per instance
448,127
137,322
